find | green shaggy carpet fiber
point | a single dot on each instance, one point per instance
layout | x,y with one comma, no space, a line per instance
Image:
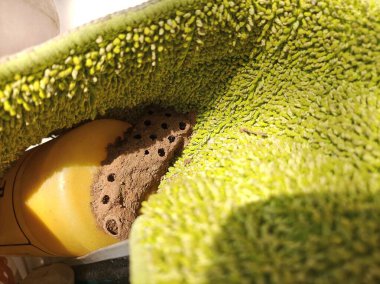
281,180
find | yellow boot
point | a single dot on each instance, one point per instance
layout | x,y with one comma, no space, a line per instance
45,204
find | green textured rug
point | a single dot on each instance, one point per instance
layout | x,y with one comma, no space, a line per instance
281,180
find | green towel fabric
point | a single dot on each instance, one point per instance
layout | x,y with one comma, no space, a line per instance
281,180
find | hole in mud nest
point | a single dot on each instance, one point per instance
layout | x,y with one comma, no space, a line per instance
150,112
112,228
147,122
146,152
111,177
105,199
182,125
171,138
168,114
137,136
161,152
153,136
164,126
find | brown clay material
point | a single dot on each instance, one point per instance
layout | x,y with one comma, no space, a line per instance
134,167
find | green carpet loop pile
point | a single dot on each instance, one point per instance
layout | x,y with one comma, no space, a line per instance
281,180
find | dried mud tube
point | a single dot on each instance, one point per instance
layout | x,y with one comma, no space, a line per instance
134,167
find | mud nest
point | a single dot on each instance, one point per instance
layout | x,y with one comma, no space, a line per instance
134,167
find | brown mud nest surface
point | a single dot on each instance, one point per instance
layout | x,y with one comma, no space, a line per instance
134,167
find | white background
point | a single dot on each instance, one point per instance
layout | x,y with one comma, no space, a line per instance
73,13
